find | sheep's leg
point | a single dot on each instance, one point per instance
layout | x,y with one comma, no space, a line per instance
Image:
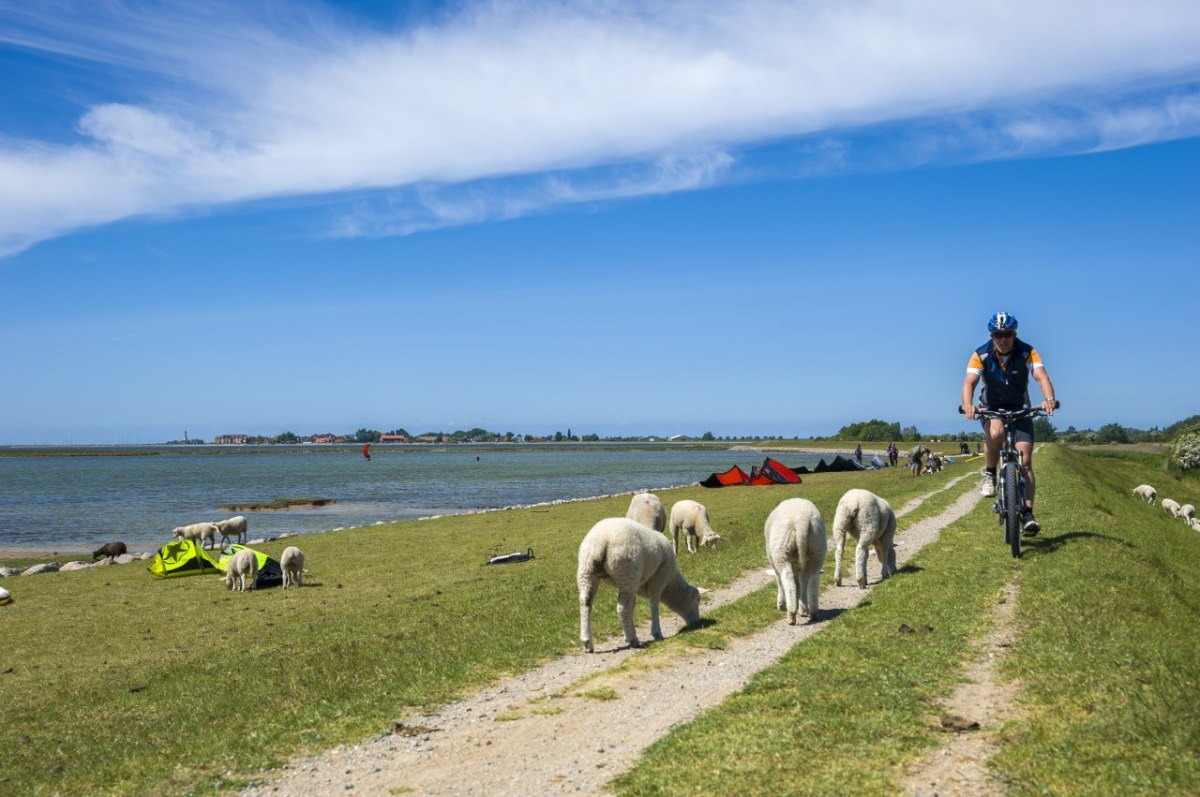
886,551
839,542
810,590
790,580
860,563
587,596
655,628
625,602
675,538
692,540
780,593
800,607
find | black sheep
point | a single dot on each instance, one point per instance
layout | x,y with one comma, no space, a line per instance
108,549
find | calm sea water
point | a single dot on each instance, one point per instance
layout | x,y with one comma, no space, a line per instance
75,503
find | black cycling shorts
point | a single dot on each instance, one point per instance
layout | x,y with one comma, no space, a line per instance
1022,430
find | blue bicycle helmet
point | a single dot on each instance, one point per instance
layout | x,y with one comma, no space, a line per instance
1002,321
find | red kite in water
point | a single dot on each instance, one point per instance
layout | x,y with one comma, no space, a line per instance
367,451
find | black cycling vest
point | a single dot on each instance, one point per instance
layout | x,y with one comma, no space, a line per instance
1005,387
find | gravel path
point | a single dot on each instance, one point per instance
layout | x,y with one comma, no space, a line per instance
959,768
509,739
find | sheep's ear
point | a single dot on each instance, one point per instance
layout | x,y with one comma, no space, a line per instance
701,590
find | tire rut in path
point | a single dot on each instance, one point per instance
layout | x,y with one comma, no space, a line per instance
959,768
509,739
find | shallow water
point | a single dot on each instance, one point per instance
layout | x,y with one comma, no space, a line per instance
75,503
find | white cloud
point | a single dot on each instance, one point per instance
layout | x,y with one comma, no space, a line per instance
218,106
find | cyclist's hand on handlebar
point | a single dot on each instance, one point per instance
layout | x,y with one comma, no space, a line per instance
1049,405
969,411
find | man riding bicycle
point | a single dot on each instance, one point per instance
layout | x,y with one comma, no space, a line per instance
1005,363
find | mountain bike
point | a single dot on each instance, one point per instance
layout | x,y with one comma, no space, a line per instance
1010,475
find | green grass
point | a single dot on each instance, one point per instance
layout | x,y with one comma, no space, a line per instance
844,711
113,681
1108,658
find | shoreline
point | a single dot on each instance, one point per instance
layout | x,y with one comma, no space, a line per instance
35,553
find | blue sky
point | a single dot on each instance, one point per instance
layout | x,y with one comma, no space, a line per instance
622,218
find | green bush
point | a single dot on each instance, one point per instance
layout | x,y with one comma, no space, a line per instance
1185,451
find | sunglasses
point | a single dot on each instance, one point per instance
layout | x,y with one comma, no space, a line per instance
1006,334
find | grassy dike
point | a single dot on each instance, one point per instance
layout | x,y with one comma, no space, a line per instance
112,681
1108,658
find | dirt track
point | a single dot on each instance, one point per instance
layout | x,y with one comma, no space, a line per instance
507,740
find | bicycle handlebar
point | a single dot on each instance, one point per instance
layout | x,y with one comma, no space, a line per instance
1026,412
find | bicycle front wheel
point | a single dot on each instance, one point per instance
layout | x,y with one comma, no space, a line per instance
1012,508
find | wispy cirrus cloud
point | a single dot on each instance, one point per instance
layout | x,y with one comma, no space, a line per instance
495,110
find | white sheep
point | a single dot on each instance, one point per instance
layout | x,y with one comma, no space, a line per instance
692,518
1187,512
241,564
1195,524
638,561
234,528
870,520
292,562
1145,492
646,509
197,532
1170,507
796,547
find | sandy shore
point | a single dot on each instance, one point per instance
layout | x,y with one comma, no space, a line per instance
43,553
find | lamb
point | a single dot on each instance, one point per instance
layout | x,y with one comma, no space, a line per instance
292,562
235,528
109,549
1145,492
692,518
870,520
197,532
646,509
796,548
639,561
1170,507
1195,524
1187,512
241,564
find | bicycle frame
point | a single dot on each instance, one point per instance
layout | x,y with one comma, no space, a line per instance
1010,475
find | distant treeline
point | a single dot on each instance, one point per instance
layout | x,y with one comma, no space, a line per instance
876,430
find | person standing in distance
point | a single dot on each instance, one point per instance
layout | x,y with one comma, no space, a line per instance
1004,364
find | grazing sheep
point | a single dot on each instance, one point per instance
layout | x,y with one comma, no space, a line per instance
1187,512
292,562
234,528
646,509
197,532
109,549
1195,524
692,518
1170,507
796,547
241,564
639,561
1145,492
870,520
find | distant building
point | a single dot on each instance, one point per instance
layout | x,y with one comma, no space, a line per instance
393,438
230,440
322,438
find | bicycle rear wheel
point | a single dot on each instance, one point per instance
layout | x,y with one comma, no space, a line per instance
1012,508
